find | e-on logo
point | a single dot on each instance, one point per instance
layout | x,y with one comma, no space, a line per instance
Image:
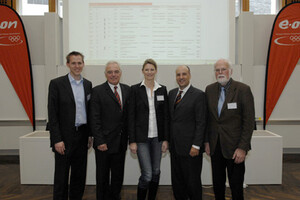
285,24
8,25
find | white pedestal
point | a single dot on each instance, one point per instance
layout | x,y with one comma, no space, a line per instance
36,158
263,163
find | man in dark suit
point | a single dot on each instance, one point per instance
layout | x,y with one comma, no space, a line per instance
187,130
108,114
231,123
68,100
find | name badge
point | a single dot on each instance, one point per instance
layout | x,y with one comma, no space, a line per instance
160,98
232,106
88,97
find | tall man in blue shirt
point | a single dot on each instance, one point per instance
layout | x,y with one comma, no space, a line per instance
68,100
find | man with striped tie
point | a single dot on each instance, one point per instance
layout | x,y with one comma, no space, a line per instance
108,117
187,128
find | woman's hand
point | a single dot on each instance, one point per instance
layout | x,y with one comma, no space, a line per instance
133,147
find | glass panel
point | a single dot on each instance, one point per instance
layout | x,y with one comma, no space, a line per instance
237,7
263,6
60,8
43,2
33,7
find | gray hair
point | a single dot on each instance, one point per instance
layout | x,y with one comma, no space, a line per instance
227,62
112,62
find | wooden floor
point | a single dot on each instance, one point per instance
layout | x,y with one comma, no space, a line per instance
11,189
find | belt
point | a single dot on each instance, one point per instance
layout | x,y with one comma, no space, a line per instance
80,127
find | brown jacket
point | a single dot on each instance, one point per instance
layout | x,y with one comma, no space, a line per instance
235,125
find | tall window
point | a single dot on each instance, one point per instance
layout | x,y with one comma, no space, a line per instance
237,7
60,8
33,7
42,2
263,6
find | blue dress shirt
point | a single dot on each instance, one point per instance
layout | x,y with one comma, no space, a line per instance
78,92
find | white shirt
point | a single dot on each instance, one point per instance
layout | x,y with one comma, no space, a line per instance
112,87
152,128
184,90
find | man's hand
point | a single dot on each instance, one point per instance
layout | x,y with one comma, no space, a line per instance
102,147
239,156
60,148
207,148
90,142
194,152
164,146
133,147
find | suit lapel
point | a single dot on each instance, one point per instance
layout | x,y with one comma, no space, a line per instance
215,99
155,98
110,93
229,95
68,87
172,101
174,98
185,97
124,94
86,92
156,93
143,94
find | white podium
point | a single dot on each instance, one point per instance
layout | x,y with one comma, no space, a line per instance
263,163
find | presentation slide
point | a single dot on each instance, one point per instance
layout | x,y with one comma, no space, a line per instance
169,31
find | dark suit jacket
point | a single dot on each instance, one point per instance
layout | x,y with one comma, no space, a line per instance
234,127
62,110
107,119
138,118
188,121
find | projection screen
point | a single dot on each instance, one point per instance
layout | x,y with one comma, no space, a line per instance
169,31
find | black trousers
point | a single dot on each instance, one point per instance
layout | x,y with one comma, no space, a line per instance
76,160
235,172
109,174
186,176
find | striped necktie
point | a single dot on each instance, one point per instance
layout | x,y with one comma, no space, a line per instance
178,98
117,96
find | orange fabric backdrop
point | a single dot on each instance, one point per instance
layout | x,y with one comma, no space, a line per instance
15,59
284,53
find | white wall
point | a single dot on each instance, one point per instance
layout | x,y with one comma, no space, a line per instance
45,41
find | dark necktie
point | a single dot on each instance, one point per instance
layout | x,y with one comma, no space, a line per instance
117,96
221,100
178,98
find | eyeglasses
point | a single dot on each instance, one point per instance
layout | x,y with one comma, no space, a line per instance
221,70
115,72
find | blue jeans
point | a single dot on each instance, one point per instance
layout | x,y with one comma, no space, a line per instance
149,155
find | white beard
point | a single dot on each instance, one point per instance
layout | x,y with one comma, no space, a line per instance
222,79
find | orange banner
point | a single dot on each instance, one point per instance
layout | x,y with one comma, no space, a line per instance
284,53
15,58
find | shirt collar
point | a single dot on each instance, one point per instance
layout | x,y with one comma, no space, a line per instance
72,80
156,85
226,87
113,86
185,89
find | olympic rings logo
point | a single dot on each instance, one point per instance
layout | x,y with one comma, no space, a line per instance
14,38
295,38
